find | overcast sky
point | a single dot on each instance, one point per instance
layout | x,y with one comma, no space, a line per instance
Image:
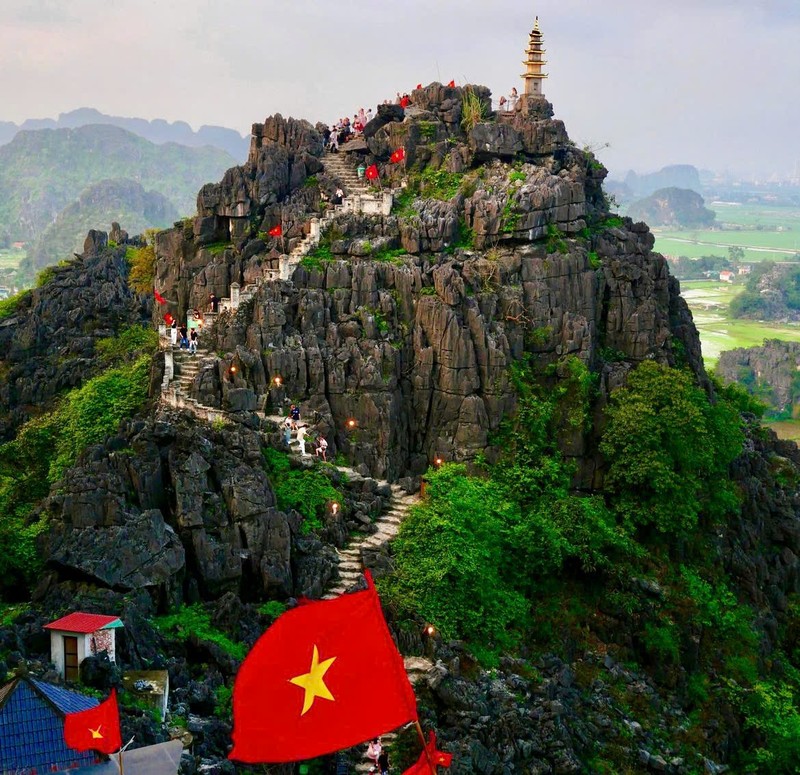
708,82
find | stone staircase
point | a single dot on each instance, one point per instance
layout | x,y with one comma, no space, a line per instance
336,166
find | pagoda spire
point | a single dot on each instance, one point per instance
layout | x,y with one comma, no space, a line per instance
534,62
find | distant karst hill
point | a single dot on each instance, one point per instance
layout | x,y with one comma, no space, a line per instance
672,176
156,131
677,207
123,201
41,172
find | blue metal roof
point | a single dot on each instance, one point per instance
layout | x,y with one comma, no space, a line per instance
32,727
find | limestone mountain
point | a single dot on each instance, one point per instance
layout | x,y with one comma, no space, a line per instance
672,176
121,201
41,172
771,373
772,293
678,208
607,548
156,131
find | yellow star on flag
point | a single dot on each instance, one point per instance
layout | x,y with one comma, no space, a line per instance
313,681
96,733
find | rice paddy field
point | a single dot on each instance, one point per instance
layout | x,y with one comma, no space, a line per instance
765,232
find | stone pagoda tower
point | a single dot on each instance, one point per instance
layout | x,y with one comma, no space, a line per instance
534,63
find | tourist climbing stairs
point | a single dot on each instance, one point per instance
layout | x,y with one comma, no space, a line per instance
338,167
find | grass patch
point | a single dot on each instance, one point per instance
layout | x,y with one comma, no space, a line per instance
8,307
193,621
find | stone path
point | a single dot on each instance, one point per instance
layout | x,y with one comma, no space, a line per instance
185,367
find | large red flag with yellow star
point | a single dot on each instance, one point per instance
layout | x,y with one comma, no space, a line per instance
323,677
96,729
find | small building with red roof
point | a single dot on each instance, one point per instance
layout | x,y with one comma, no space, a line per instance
79,635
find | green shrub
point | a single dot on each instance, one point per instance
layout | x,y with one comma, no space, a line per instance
392,255
594,260
193,621
129,343
669,450
439,184
473,111
272,609
45,276
142,272
661,640
93,412
556,240
8,306
308,491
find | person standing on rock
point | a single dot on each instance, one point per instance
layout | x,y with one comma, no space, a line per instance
193,342
213,302
374,750
322,449
287,431
301,438
361,169
294,416
173,333
383,762
513,98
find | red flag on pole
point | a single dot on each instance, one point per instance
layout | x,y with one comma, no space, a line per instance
275,231
168,319
437,758
159,298
323,677
96,729
372,172
452,84
398,155
419,85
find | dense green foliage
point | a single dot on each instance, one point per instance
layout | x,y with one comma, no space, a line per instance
308,491
669,449
193,622
510,557
47,445
472,555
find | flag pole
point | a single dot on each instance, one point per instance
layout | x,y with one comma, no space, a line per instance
425,746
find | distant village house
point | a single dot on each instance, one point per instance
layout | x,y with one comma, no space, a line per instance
727,276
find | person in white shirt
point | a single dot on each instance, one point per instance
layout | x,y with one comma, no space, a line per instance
322,448
301,438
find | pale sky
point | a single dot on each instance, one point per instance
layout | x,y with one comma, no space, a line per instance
707,82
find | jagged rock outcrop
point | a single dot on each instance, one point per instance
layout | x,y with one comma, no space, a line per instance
769,372
48,344
677,207
182,509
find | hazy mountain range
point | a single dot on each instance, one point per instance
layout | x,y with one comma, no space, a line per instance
156,131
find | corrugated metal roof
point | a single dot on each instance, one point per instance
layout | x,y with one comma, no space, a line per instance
83,622
32,726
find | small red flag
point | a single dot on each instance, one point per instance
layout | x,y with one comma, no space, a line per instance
404,102
438,758
398,155
276,231
96,729
168,319
452,84
323,677
419,85
372,172
159,298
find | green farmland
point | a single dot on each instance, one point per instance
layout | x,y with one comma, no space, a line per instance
753,227
708,301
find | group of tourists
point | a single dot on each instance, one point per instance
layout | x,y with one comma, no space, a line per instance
344,130
509,104
186,336
292,423
379,756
